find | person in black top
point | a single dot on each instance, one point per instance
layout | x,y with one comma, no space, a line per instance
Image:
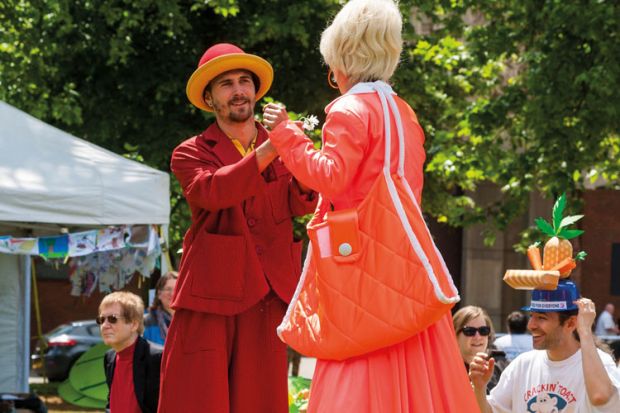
132,367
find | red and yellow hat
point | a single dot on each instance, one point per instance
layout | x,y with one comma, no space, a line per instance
221,58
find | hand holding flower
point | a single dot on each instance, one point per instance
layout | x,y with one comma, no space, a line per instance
273,115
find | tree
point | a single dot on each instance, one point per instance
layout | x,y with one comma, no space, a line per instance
517,93
114,72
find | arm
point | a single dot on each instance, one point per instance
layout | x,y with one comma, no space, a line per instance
599,386
212,187
265,154
302,200
331,169
480,372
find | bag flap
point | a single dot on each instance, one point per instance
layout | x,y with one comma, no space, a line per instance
344,232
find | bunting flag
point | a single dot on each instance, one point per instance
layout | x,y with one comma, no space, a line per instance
111,238
110,270
4,244
139,237
22,246
85,242
106,259
82,243
54,247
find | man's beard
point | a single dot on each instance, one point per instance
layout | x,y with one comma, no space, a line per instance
236,115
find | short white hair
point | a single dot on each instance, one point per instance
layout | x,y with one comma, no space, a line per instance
364,40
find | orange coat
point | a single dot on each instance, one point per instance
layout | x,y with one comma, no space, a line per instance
423,373
352,154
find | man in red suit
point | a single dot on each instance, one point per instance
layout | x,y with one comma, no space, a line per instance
240,262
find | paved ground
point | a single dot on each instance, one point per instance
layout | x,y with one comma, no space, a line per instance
306,367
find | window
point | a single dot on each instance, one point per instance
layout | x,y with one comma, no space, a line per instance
615,269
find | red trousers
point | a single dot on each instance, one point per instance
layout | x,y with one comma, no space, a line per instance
225,364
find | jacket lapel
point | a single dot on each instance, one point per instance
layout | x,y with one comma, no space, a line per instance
216,141
139,378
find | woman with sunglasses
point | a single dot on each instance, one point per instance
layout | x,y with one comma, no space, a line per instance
362,48
475,333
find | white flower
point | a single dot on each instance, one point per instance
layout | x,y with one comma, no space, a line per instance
448,165
310,122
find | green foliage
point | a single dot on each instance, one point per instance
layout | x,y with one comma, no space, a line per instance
519,94
114,72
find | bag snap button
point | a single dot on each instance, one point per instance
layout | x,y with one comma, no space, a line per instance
345,249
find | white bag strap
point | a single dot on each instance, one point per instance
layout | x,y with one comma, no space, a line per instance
386,95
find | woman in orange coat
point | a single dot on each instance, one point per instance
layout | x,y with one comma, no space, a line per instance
362,47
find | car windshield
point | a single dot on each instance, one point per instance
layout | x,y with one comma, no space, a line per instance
61,329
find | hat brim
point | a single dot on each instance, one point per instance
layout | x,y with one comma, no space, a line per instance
215,67
547,310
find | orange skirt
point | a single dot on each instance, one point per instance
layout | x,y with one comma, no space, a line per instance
424,374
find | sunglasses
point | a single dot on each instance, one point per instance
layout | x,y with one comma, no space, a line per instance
112,319
471,331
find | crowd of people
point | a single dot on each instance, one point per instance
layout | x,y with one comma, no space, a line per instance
244,181
506,375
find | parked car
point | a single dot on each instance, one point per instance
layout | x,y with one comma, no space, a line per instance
62,347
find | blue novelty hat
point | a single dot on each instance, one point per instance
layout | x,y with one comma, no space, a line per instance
560,299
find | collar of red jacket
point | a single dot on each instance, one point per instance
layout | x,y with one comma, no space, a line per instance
213,134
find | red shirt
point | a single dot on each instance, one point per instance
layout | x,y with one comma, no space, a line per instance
122,394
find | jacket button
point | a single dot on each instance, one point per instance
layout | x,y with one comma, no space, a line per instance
259,250
251,222
345,249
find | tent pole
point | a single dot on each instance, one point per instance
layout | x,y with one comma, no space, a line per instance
25,386
166,264
37,312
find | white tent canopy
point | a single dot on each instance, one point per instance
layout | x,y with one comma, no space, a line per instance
51,178
47,175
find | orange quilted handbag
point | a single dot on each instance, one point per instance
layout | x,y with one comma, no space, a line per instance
373,276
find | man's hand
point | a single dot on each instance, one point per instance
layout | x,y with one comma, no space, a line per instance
585,316
481,370
273,115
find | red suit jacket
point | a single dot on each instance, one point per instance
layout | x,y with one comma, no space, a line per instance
241,240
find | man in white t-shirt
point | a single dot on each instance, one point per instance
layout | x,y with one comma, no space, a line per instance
517,340
565,373
605,326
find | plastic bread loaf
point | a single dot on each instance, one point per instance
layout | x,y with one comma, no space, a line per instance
532,279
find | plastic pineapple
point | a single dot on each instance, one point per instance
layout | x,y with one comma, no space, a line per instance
558,251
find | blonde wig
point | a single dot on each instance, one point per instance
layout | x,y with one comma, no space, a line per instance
364,41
